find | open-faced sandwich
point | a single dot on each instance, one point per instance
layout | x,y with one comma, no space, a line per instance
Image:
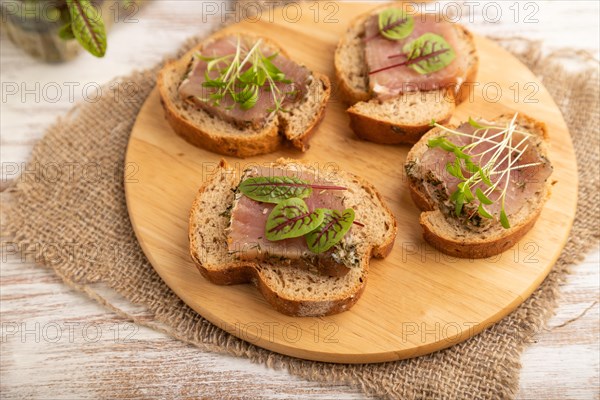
481,185
241,95
399,71
303,236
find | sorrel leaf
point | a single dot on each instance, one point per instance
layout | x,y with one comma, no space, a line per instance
429,53
330,232
274,189
87,26
291,218
395,24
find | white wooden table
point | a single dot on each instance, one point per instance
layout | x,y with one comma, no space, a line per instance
57,343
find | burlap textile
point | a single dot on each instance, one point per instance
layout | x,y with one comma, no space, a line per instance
75,210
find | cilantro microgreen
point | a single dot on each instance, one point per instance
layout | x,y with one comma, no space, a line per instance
241,76
472,176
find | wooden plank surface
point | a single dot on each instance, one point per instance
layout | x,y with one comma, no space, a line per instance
414,286
561,363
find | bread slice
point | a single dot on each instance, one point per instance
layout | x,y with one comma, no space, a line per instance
204,130
442,229
403,119
289,290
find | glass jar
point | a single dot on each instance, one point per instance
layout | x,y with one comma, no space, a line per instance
33,26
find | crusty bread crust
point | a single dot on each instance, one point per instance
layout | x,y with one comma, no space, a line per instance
238,143
236,272
473,247
301,142
464,91
297,308
385,131
349,93
242,146
378,130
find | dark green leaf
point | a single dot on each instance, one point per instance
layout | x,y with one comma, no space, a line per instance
66,32
428,53
454,195
261,77
447,145
213,84
204,58
435,142
243,95
249,76
482,197
485,177
271,68
395,24
483,212
442,143
504,219
467,191
452,170
460,154
475,124
331,231
459,201
455,170
251,99
470,166
291,218
87,26
275,189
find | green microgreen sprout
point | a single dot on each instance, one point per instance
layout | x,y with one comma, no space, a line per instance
489,175
241,75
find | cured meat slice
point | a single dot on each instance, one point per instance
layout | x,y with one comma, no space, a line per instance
247,239
394,81
192,88
526,174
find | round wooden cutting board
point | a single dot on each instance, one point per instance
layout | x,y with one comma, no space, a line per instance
417,300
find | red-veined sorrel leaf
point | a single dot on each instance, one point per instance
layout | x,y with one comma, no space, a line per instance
330,232
291,218
429,53
275,189
426,54
87,26
395,24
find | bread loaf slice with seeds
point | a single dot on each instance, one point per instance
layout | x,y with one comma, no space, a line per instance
405,118
292,127
447,233
289,290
